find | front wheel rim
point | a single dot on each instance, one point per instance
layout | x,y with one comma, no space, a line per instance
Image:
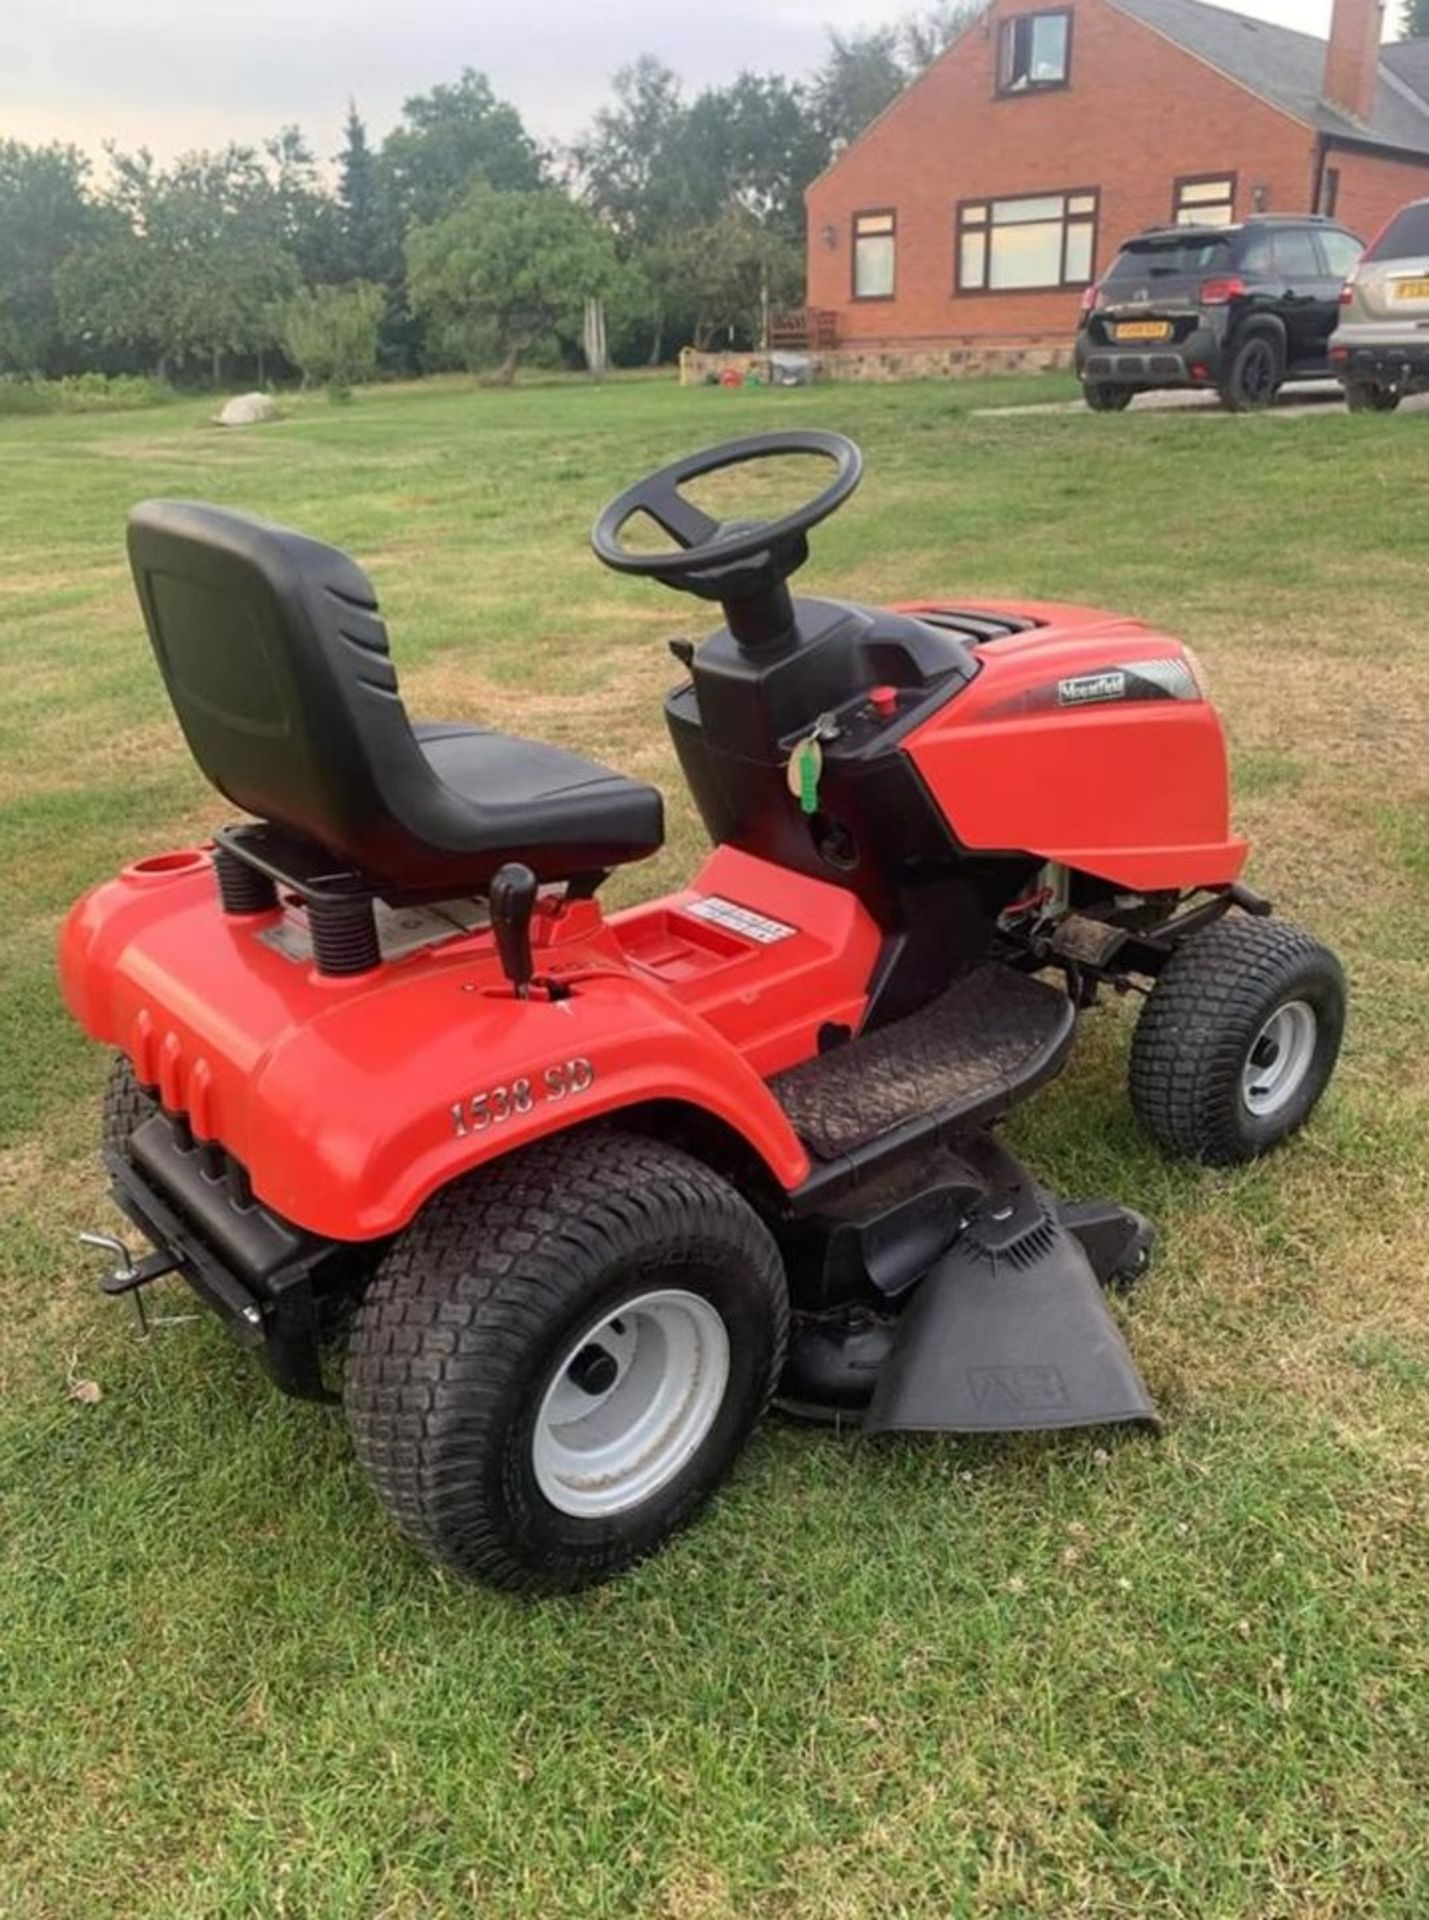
629,1403
1280,1059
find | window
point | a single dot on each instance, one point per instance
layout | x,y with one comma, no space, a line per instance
1341,250
1407,234
1143,262
1257,252
1044,240
1296,256
1035,50
874,239
1330,192
1202,201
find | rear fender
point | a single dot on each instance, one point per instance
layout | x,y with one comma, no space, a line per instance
349,1101
1270,326
353,1125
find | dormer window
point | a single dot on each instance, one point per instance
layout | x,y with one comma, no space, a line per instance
1034,52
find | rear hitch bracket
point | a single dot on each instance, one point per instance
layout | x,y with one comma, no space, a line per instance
129,1275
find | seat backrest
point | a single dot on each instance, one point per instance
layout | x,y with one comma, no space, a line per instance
276,660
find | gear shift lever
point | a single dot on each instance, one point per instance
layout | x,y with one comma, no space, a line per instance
512,898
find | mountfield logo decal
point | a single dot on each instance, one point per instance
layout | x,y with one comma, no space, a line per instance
1166,678
1083,688
1169,679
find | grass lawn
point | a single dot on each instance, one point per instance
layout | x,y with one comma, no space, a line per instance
1076,1678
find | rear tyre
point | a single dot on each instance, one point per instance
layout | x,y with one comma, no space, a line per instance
1102,397
1363,396
1237,1040
1253,377
126,1106
559,1361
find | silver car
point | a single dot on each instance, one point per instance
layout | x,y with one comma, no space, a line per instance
1380,350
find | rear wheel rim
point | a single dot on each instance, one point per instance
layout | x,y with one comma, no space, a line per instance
1257,373
629,1403
1280,1059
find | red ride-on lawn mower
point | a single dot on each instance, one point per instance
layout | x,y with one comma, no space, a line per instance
581,1193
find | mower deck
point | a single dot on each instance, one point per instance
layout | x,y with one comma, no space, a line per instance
958,1062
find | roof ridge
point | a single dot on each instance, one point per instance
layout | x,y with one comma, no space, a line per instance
1397,79
1411,94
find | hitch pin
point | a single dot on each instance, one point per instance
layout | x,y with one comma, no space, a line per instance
123,1277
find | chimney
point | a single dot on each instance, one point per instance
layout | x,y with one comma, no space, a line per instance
1352,57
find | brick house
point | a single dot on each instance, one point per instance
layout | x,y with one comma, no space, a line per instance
992,192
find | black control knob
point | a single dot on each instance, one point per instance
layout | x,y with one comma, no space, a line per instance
512,898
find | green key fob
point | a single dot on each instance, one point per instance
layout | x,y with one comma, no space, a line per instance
806,763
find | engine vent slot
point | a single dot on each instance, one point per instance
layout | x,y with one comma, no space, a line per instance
974,625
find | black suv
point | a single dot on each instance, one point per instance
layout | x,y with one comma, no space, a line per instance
1237,308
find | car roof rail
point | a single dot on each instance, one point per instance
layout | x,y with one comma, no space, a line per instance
1178,229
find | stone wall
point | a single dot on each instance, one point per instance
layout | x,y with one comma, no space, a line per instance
948,361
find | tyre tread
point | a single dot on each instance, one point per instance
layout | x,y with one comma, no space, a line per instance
125,1107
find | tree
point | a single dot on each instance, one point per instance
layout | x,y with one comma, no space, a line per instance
45,216
660,171
507,272
193,265
371,252
300,215
1415,24
108,300
926,35
730,268
754,144
633,165
862,74
330,334
628,161
448,138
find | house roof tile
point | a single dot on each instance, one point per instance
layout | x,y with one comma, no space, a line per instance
1287,68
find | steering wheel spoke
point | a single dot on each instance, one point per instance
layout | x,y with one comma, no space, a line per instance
686,523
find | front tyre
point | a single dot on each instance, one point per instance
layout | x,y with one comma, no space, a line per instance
559,1361
1237,1040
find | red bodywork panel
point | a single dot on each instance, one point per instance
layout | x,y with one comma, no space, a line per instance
349,1101
1132,790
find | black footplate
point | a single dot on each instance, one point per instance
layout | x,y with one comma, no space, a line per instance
984,1043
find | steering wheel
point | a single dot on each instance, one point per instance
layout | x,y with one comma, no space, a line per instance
709,553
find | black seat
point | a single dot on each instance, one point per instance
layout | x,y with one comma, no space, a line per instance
275,657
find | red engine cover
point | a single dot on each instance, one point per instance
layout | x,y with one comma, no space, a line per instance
1087,740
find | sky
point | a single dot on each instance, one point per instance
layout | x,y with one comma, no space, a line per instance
177,74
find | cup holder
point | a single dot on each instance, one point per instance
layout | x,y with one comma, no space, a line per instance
161,866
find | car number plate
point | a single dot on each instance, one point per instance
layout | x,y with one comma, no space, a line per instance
1144,330
1412,290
